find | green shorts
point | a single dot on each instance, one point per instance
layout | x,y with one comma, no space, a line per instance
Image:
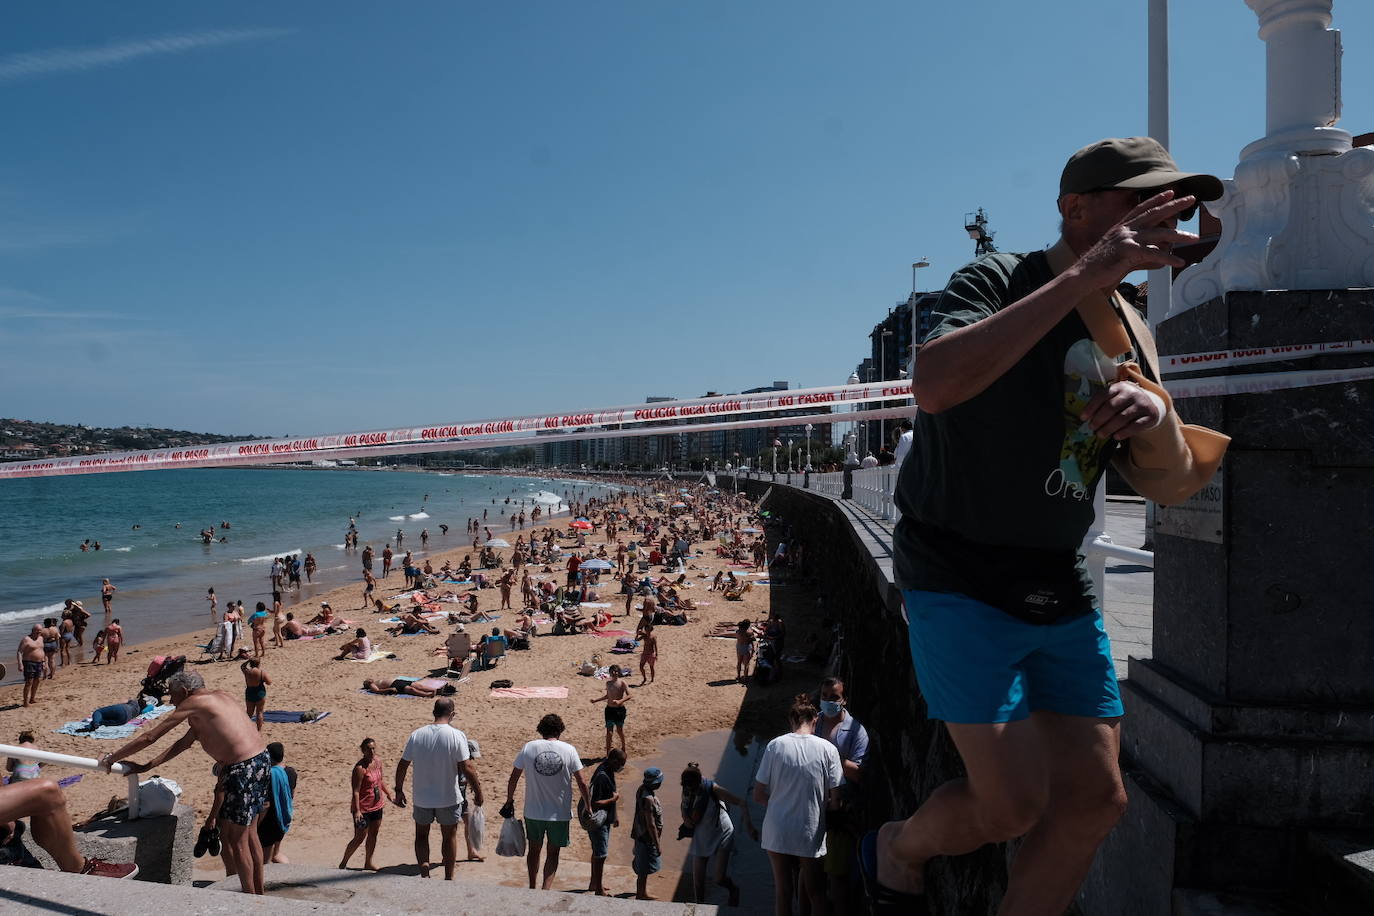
556,831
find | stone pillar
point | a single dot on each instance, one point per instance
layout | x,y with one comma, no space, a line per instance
1299,213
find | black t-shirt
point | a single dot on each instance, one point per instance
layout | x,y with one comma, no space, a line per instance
602,788
1012,467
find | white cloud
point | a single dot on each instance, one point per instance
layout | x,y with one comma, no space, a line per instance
35,64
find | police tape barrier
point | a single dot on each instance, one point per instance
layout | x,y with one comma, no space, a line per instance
228,454
1217,359
285,449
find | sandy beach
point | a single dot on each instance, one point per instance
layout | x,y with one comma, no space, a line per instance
694,692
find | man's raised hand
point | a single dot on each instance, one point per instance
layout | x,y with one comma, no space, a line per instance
1141,241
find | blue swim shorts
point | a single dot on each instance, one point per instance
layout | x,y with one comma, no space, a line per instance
977,664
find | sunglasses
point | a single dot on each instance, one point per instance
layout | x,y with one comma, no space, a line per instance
1143,195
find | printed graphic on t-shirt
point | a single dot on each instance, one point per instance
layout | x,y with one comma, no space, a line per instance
1087,370
548,763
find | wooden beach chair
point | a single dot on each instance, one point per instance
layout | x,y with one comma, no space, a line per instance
459,647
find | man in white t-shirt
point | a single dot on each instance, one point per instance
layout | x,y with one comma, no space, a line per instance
439,753
903,442
552,766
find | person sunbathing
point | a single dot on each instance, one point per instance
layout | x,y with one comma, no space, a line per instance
294,629
406,685
411,622
380,607
358,648
569,622
325,616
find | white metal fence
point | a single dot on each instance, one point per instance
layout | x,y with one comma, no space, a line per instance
830,483
83,763
873,490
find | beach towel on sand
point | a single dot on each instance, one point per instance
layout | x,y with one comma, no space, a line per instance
376,654
112,732
289,716
531,693
612,634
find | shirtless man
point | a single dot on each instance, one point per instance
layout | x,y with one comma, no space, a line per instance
385,685
616,696
218,722
31,661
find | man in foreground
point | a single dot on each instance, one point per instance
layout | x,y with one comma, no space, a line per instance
1020,408
552,765
218,721
439,752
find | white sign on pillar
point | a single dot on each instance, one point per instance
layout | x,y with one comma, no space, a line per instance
1299,213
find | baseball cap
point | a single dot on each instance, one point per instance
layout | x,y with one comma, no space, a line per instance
653,777
1137,163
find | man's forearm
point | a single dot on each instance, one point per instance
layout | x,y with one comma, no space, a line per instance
963,363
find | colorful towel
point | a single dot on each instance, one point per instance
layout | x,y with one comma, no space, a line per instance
376,654
531,693
611,634
290,716
595,604
111,732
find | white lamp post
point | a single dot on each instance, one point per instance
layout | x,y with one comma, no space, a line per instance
882,371
809,427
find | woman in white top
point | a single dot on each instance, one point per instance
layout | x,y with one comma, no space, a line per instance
796,780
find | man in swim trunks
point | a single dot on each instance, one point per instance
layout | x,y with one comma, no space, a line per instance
616,696
31,662
106,596
217,721
406,685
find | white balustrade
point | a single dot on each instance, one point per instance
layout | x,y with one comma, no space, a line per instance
82,763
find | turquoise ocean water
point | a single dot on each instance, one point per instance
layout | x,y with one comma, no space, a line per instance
162,572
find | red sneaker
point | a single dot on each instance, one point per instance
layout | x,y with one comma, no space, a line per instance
103,869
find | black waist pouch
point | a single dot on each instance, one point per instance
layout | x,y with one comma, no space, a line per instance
1031,584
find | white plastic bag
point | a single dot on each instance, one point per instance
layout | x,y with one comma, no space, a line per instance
157,796
512,841
477,827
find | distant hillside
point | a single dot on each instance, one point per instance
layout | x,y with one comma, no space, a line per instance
23,439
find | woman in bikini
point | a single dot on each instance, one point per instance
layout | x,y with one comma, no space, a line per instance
278,618
744,648
259,621
114,638
255,681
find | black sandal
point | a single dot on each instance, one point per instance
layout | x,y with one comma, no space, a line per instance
883,900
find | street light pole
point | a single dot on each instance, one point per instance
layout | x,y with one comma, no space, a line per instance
882,363
809,427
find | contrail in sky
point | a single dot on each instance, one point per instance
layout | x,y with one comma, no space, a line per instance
33,64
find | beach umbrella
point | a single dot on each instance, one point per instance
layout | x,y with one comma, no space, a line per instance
595,564
679,505
498,542
581,525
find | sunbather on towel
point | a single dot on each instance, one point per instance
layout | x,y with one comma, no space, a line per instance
412,623
406,685
358,648
294,629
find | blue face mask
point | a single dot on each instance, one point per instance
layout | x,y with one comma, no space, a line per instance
830,708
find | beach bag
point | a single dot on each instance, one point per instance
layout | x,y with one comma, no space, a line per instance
590,820
477,827
512,840
157,797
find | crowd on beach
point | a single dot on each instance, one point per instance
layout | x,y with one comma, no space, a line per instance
636,555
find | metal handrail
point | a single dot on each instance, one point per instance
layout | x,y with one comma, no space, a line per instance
83,763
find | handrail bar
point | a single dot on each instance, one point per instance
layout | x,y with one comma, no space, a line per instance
84,763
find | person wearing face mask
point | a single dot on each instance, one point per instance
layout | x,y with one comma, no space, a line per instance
850,738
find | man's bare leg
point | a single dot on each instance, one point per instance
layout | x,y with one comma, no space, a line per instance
249,863
1002,797
422,849
1086,799
448,847
551,865
42,802
532,860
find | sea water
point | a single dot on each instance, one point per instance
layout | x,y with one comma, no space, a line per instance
162,571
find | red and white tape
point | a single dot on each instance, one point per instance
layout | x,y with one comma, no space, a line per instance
1217,359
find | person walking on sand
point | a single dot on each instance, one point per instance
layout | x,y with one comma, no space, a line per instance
114,638
309,568
648,655
213,600
259,624
552,765
218,722
278,619
106,597
369,583
366,804
81,618
52,640
442,761
506,581
386,561
31,661
255,681
616,696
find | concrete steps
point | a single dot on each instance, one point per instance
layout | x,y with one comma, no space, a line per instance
295,890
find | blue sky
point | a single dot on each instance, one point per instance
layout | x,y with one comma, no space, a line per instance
295,218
